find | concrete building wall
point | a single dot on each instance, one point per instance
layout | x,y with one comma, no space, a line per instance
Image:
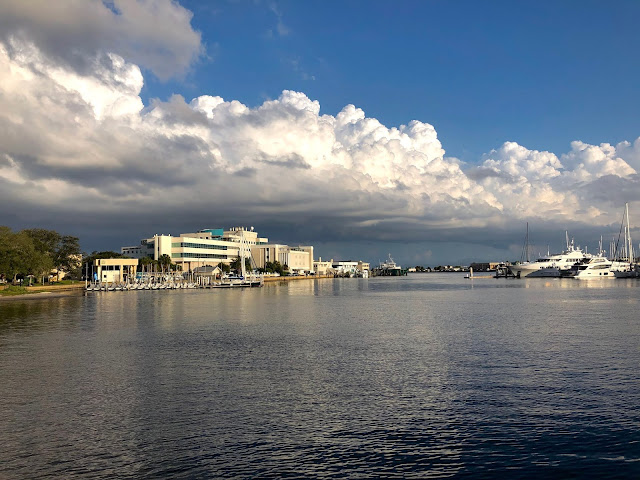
163,246
299,261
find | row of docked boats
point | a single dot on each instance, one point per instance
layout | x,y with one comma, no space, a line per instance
122,286
576,263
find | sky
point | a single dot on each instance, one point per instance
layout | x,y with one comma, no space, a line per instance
432,130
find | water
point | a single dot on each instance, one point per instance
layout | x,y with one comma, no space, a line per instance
428,376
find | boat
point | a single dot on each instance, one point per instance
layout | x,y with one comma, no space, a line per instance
597,266
389,268
549,265
626,256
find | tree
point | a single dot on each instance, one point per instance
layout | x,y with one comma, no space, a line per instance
68,256
19,256
274,267
224,267
144,262
62,251
12,261
235,264
164,261
44,241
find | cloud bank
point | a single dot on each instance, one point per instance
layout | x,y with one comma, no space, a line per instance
79,147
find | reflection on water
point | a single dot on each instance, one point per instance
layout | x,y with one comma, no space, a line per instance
423,376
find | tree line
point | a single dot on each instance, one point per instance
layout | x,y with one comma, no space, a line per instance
37,252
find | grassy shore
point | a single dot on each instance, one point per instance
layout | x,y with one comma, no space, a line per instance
16,290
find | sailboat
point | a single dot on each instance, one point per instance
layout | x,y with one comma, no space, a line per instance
626,268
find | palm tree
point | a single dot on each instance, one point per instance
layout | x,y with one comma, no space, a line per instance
164,261
144,262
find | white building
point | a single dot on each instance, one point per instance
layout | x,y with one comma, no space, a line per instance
114,269
323,268
342,267
350,267
206,247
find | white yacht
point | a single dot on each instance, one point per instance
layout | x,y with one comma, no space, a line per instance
598,266
551,265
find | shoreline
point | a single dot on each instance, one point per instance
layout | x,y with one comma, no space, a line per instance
57,291
51,291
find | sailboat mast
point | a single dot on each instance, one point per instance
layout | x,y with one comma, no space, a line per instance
600,246
243,266
627,232
527,241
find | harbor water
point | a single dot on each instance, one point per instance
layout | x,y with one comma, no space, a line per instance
425,376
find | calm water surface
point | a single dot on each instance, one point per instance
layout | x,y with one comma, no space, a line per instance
426,376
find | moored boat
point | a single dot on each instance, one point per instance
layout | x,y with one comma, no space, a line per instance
551,265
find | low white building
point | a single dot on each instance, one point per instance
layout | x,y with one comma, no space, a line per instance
114,269
342,267
323,268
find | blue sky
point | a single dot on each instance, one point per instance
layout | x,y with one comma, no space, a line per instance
539,73
434,130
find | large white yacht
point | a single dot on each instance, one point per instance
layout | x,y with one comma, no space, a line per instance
551,265
597,266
